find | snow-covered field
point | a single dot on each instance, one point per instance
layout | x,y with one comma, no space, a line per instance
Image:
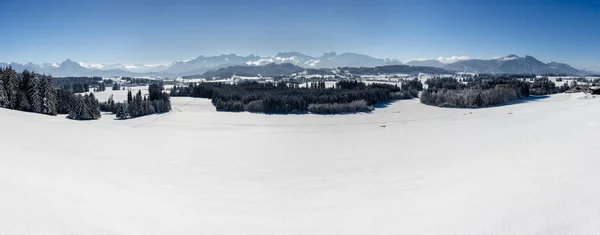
527,168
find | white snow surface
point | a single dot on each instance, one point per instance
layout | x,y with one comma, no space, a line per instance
512,57
279,60
91,66
526,168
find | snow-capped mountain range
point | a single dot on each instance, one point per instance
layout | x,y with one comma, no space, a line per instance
201,64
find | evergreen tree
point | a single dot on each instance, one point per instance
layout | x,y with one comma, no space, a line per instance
65,100
85,107
3,94
129,97
78,110
23,92
48,96
135,107
93,106
111,103
121,110
33,94
23,104
10,82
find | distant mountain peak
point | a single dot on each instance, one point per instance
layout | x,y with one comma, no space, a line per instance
330,54
292,54
512,64
426,62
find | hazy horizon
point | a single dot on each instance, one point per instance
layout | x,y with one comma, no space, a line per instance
156,32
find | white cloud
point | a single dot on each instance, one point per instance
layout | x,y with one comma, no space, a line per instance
452,59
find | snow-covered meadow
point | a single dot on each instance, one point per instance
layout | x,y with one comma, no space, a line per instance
525,168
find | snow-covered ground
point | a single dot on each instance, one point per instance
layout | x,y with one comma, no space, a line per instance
527,168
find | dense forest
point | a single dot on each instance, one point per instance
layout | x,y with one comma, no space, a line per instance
283,98
30,92
27,92
484,91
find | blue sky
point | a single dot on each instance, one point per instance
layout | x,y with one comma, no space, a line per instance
112,31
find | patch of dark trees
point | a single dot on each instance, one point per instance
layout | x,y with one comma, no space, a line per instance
70,81
555,75
136,106
515,75
138,81
269,70
321,72
116,86
393,69
286,98
484,91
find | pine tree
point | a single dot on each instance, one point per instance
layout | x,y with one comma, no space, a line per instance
23,104
135,107
33,94
85,108
11,86
77,109
121,110
111,104
47,95
3,94
93,106
129,97
64,101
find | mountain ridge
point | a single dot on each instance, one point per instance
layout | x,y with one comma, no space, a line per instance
202,64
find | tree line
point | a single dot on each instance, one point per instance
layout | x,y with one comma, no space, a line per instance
27,92
283,98
484,91
31,92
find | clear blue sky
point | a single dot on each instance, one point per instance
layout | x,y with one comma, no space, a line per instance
121,31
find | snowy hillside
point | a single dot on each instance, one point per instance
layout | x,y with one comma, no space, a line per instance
527,168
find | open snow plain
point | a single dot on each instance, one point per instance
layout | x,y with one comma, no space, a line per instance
526,168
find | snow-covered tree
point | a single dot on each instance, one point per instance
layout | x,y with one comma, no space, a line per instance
85,108
11,86
3,95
